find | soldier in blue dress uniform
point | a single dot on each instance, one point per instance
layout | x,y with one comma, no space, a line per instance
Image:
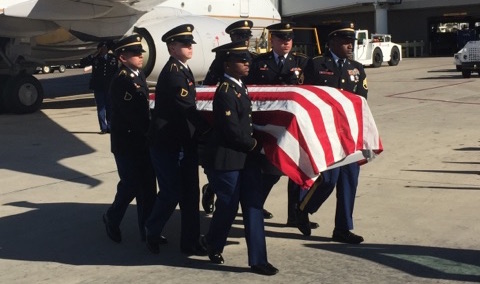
231,163
280,66
173,135
104,67
130,122
336,69
238,31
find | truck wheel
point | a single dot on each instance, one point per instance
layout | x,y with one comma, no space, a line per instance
394,56
377,57
23,94
62,68
46,69
466,73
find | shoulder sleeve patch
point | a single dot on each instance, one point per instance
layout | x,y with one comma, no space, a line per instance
128,96
183,93
365,84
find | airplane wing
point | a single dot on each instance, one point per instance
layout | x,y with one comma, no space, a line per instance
74,9
89,20
23,22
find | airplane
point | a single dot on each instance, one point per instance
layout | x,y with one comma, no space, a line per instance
90,21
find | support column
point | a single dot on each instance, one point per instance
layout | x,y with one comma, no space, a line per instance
381,18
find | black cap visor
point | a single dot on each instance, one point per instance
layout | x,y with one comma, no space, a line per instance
284,36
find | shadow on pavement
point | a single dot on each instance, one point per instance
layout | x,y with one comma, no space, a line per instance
36,144
73,233
421,261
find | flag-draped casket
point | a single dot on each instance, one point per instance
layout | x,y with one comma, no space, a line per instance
307,129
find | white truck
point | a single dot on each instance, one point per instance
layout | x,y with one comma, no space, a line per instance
467,59
376,50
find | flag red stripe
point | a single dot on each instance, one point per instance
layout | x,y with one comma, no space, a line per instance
307,128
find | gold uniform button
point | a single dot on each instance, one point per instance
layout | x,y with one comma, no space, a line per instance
343,80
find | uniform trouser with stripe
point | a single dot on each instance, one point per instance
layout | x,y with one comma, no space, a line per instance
103,109
177,177
231,188
345,178
137,180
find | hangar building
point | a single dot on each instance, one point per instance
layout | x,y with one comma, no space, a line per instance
435,22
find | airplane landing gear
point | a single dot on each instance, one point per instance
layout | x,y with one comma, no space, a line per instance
21,94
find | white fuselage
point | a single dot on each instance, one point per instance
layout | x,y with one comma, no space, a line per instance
95,20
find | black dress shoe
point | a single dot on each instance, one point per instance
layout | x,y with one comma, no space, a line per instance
346,237
113,232
267,215
197,249
293,224
208,199
161,241
215,257
264,269
303,223
153,244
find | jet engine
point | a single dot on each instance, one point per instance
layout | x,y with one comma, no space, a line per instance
208,33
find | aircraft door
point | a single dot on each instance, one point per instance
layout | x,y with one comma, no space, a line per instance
244,8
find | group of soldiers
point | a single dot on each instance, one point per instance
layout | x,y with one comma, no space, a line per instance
166,146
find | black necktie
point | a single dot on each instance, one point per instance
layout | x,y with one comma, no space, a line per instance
340,64
280,62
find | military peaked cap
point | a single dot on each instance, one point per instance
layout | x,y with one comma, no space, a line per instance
132,43
241,28
182,33
282,30
343,30
101,44
234,51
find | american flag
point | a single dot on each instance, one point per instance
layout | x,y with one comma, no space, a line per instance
308,129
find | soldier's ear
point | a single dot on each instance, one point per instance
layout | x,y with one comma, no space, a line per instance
122,58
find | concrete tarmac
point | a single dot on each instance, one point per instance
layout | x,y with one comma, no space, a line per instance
417,205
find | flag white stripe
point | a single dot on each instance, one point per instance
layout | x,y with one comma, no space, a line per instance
297,150
287,143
